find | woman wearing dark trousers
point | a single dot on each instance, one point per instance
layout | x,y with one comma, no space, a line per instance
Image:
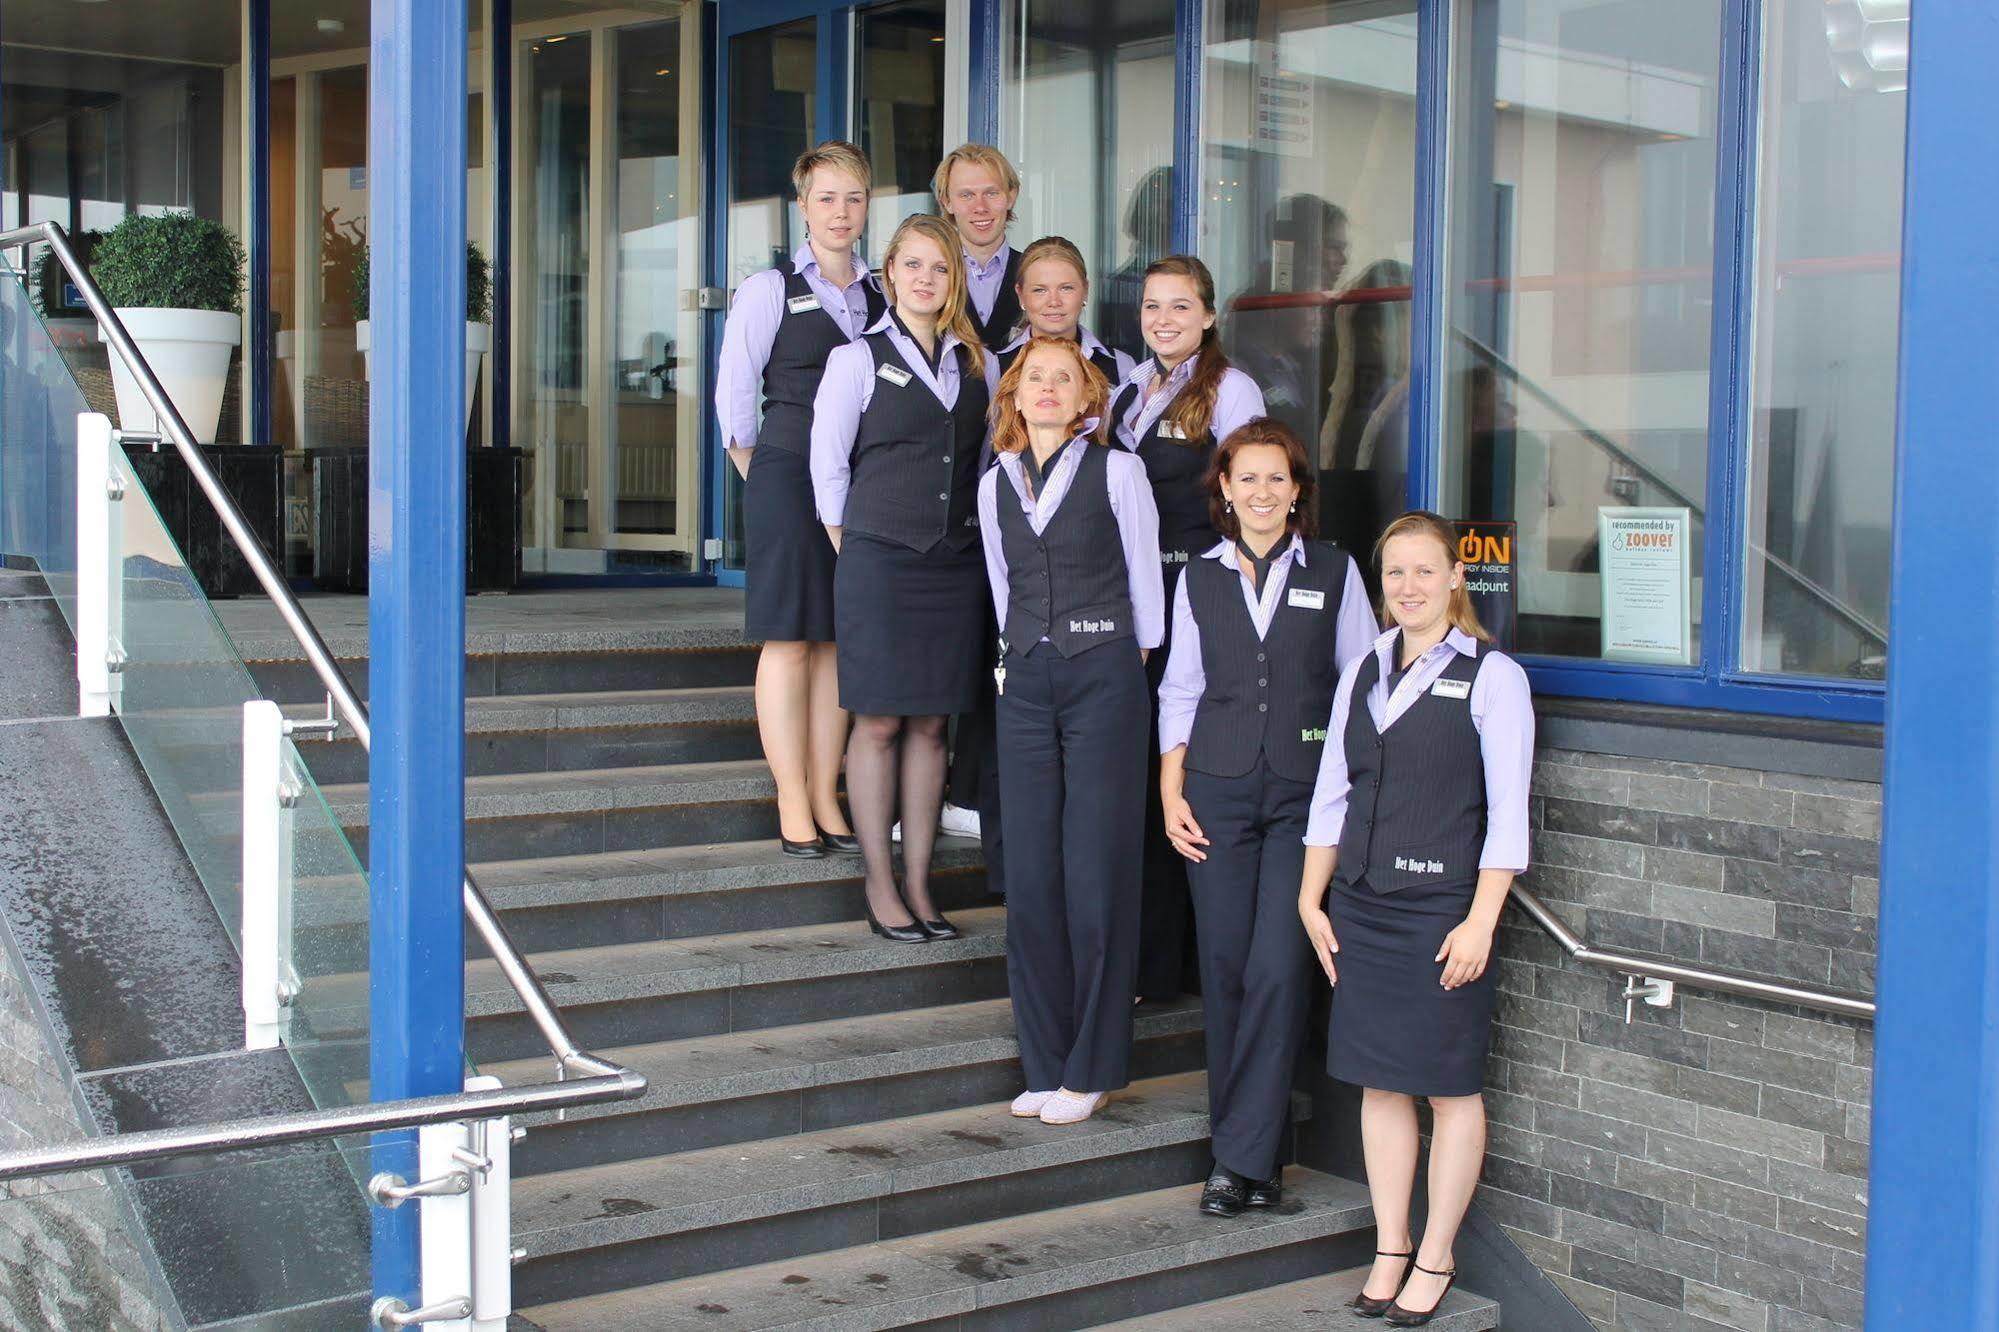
1169,412
783,325
1262,622
1419,824
897,429
1071,551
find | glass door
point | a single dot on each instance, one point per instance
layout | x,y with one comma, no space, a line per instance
793,74
609,392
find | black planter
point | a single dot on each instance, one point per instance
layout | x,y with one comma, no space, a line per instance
340,519
252,474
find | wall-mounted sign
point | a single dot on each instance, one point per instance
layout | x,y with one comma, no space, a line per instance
1488,550
1647,585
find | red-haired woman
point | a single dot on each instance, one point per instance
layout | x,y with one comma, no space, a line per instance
1263,622
1419,823
1071,550
1169,411
897,427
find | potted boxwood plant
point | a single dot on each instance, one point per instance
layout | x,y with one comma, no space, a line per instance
478,311
176,282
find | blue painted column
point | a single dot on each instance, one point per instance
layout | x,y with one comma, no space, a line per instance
416,570
1933,1233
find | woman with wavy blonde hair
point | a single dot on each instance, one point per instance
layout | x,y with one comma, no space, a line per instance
897,427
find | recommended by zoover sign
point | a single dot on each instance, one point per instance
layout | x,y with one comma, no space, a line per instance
1647,585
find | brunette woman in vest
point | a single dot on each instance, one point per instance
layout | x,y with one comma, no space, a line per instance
1419,823
976,188
783,325
1263,622
896,432
1071,542
1054,287
1170,410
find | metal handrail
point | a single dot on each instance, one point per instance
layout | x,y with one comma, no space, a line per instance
1725,982
594,1079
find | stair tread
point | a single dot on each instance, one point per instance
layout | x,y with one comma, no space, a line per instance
952,1272
589,710
656,967
1311,1305
510,794
818,1054
622,1201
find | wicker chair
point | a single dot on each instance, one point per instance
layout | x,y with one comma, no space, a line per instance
336,412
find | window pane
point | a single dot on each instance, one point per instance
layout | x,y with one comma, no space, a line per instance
1307,219
899,108
1580,294
1086,114
1821,435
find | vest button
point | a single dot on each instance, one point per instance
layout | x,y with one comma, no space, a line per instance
947,457
1263,683
943,495
1261,657
1263,707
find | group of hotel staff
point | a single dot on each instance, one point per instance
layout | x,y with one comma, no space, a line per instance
959,502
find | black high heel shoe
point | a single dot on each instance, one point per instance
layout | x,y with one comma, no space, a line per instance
937,927
1366,1305
896,933
814,849
1401,1317
841,844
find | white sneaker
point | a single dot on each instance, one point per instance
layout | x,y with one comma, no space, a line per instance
958,821
1028,1104
1067,1107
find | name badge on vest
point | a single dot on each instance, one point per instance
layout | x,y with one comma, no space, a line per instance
895,375
1452,689
802,304
1167,430
1308,597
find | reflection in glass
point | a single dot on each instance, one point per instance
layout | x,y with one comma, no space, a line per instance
773,89
899,107
1308,209
1086,115
1579,285
656,385
551,285
1821,434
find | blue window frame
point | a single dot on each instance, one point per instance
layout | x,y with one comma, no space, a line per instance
1717,680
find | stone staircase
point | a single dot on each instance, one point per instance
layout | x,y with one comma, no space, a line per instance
825,1140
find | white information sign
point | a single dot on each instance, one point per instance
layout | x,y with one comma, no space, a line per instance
1647,585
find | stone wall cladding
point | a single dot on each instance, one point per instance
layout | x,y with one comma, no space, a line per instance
67,1259
1705,1166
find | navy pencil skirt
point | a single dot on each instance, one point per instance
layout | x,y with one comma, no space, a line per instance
1394,1027
788,586
910,627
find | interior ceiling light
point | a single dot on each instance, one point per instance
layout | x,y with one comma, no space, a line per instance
1870,43
332,27
662,73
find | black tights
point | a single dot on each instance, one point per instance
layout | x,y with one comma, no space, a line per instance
880,750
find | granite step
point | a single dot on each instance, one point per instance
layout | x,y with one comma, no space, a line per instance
673,892
530,663
1071,1267
638,1222
740,1086
516,816
1312,1305
660,990
570,732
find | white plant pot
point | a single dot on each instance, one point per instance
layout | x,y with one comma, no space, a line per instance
189,353
478,340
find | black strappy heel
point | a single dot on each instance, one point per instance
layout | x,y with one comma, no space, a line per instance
1367,1306
1401,1317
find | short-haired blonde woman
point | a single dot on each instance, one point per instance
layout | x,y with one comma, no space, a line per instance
783,325
897,427
1071,549
1419,823
976,188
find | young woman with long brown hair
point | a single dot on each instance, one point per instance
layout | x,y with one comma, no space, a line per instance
1263,622
897,428
1170,411
1419,824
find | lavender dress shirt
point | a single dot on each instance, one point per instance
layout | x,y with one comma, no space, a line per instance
752,328
1237,399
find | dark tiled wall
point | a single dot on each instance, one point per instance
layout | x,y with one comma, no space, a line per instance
1705,1165
67,1260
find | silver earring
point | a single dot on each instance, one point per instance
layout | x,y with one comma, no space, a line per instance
1294,506
1228,506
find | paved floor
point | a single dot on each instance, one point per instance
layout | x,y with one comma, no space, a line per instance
583,618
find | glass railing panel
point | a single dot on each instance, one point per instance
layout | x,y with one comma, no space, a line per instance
39,401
